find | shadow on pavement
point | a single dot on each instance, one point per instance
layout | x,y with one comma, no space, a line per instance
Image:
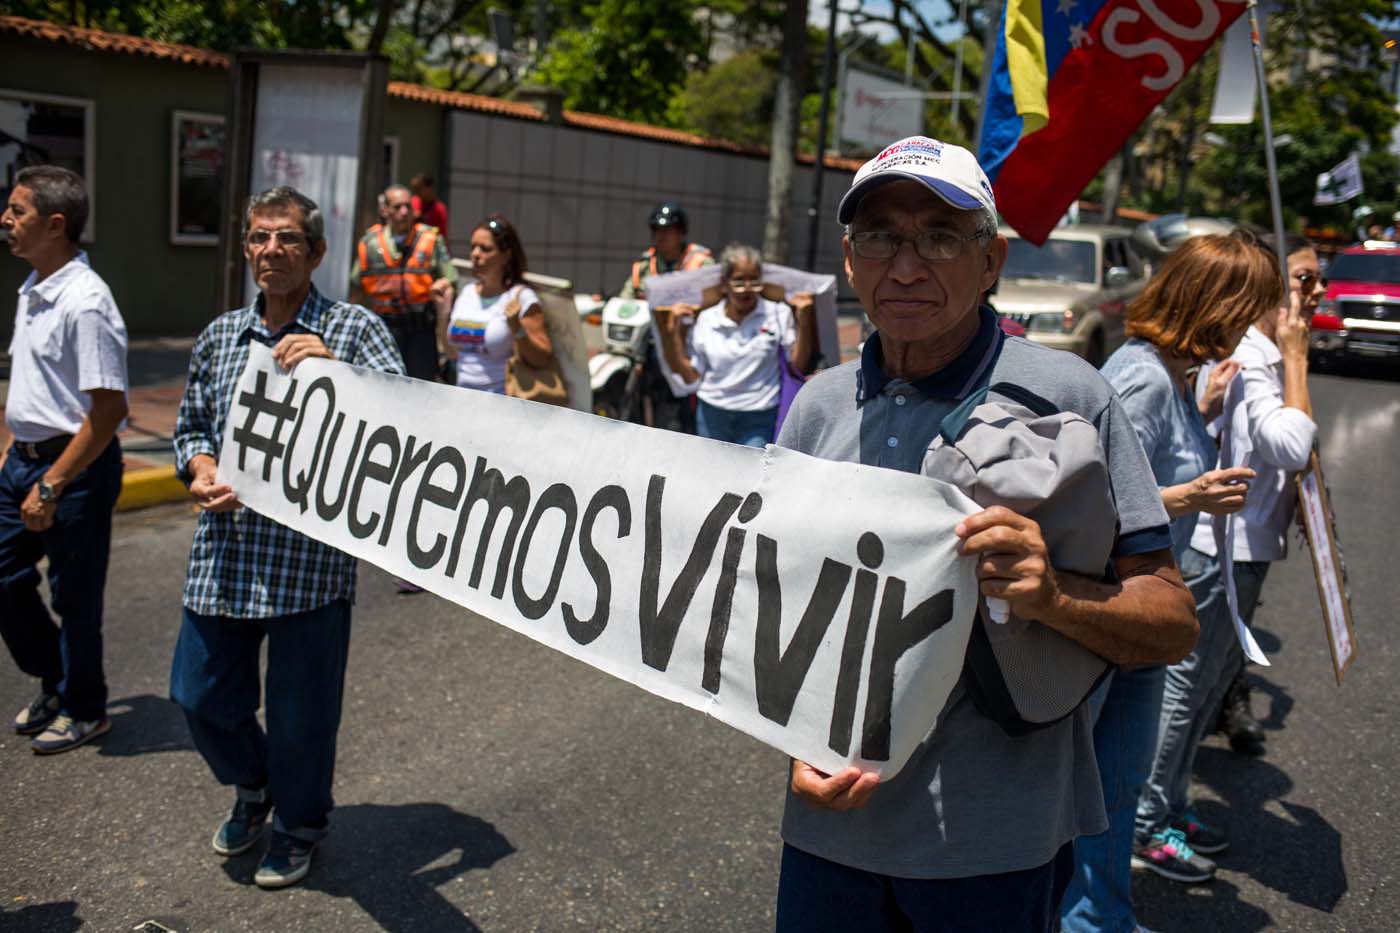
1280,702
1370,370
57,917
1165,905
1252,792
390,860
144,725
1268,641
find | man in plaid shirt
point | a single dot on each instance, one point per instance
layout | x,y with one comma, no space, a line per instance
251,578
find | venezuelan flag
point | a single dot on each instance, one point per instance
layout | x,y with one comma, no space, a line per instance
1070,81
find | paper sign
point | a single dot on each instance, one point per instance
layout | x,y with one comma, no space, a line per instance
1327,566
820,607
697,288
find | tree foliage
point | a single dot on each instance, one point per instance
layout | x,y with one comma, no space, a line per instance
628,60
732,100
1327,98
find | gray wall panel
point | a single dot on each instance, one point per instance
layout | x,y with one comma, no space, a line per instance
581,198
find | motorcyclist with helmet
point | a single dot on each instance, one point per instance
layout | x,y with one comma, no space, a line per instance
670,251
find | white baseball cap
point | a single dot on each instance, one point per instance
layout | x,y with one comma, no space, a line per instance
949,171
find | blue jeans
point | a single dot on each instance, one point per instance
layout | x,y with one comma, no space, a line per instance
1100,897
1196,685
750,428
816,895
214,679
66,658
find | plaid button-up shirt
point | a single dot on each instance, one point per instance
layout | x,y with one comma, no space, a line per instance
242,564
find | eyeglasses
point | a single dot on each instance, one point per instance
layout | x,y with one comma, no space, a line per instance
287,239
1308,281
744,285
931,245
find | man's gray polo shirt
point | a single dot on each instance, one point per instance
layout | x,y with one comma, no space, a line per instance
972,800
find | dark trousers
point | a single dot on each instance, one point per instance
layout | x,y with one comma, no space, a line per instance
815,895
415,333
67,658
214,679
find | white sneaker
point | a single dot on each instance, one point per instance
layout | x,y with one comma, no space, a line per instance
66,733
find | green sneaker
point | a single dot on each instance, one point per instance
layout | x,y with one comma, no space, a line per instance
245,823
287,861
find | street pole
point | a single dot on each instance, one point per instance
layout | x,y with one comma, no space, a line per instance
989,51
1275,201
958,64
814,211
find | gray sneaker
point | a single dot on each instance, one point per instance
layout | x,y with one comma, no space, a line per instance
38,714
65,733
287,861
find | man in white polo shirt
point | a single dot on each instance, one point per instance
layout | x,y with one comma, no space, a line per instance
62,473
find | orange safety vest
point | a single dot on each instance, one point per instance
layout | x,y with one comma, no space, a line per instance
693,258
390,288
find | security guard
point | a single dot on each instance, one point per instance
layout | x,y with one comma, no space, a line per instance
403,272
669,250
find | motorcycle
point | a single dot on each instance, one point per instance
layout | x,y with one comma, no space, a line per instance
630,382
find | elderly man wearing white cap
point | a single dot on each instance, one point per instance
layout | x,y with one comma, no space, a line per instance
975,833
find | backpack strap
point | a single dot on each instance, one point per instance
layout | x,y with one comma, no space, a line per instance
953,423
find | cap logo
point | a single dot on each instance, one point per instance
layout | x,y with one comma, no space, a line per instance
913,149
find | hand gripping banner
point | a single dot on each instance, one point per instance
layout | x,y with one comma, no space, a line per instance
820,607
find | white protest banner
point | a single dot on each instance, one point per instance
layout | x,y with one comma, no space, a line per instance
673,288
820,607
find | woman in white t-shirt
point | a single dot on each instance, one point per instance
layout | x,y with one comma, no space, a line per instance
496,313
731,353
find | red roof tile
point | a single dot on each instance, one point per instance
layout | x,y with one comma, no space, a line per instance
111,42
463,101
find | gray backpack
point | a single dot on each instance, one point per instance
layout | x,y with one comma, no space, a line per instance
1048,465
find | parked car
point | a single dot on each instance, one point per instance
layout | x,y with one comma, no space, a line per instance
1359,317
1071,293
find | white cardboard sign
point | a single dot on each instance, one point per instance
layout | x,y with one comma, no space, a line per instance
820,607
1331,575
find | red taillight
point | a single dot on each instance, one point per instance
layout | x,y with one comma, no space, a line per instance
1327,322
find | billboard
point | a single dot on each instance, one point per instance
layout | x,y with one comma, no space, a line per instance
875,111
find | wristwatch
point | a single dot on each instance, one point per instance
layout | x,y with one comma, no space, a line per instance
47,493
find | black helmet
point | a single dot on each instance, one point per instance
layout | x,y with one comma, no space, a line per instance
668,214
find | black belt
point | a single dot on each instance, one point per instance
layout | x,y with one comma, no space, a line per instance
42,450
410,317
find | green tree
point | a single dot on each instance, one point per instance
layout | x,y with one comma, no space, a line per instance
733,100
1327,95
629,60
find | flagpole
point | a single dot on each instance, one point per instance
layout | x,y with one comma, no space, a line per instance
1274,200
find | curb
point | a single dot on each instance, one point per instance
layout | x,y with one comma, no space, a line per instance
142,488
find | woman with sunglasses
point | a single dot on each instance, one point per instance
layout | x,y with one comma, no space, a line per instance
496,313
1271,414
731,354
1197,307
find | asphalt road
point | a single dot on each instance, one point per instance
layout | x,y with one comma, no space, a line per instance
488,783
